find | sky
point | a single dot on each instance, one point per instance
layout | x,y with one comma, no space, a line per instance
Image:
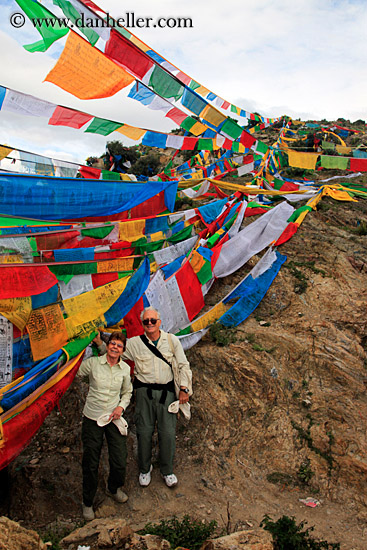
304,58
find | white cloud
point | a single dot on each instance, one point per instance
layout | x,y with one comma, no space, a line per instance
304,58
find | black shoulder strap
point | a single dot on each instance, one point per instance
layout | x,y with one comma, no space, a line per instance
153,349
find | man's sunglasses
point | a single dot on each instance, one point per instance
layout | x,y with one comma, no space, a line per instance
147,321
113,343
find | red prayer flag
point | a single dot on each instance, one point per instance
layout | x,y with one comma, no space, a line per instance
90,173
247,139
358,165
176,115
288,232
100,279
190,289
227,144
154,205
127,55
182,77
18,282
62,116
189,143
132,322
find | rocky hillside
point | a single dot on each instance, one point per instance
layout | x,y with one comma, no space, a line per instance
278,413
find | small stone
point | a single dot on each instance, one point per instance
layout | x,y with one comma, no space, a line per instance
34,461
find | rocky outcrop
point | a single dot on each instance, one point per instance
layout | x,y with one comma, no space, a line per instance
112,533
15,537
242,540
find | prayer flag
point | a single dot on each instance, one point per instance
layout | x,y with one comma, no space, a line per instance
49,33
85,72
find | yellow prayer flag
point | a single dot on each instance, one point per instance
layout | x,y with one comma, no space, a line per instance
17,310
47,331
154,267
85,72
159,236
338,194
212,115
197,129
131,230
4,151
83,330
306,161
210,317
90,305
202,91
343,150
11,259
139,43
117,264
131,132
125,177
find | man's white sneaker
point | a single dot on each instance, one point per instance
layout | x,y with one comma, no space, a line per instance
171,480
88,513
145,479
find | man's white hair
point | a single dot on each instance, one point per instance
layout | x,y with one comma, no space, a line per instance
150,308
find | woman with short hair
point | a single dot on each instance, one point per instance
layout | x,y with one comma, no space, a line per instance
109,394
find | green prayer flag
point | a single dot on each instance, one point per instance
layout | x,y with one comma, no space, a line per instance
278,184
102,126
334,163
98,232
261,147
165,84
205,273
231,128
38,14
184,331
72,13
205,144
194,85
182,235
188,123
299,211
73,347
110,176
168,168
328,145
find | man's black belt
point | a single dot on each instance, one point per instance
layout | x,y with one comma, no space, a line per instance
170,386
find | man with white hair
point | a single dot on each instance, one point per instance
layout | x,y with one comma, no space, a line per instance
160,364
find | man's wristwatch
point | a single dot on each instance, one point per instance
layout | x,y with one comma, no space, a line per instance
185,390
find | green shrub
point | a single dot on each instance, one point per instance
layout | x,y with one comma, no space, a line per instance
187,532
221,335
287,535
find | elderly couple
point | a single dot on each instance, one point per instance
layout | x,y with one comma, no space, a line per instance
162,377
